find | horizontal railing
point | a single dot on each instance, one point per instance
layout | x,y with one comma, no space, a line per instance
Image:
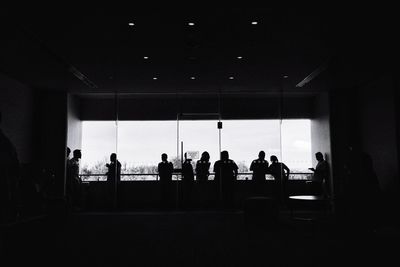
177,176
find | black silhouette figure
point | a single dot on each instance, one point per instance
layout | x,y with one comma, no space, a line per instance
74,182
362,191
280,172
165,169
113,180
320,180
202,167
187,182
226,172
260,169
68,169
68,153
9,174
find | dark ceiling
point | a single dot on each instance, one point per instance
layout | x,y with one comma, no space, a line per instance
94,49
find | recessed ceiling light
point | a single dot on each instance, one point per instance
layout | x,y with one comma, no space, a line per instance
193,78
239,57
231,78
131,24
145,57
285,76
191,23
254,22
155,78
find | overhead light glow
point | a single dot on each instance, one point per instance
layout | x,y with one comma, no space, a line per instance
145,57
131,24
155,78
191,23
239,57
254,22
193,78
231,78
285,76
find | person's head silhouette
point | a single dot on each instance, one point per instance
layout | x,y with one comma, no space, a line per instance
319,156
261,155
274,159
205,156
113,157
164,157
77,154
224,155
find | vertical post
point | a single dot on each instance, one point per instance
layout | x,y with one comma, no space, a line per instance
116,152
177,157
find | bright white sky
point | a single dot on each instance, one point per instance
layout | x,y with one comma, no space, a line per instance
143,142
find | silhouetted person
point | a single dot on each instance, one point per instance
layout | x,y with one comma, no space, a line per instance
68,168
165,169
362,190
68,153
9,174
260,169
320,179
74,183
187,182
226,172
113,179
280,172
202,167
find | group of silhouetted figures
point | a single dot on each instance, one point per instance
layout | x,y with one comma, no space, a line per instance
226,172
360,180
225,175
74,187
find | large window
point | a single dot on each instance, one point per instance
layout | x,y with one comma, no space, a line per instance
140,143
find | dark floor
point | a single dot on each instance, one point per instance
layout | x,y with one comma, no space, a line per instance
212,238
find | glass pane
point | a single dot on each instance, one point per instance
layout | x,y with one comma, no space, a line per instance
244,139
199,136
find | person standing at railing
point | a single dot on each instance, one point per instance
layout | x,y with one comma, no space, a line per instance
320,177
226,172
165,169
281,173
187,182
113,179
202,167
74,183
260,169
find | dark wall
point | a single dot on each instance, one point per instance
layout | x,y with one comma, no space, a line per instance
167,107
321,129
16,106
74,136
51,136
377,125
364,118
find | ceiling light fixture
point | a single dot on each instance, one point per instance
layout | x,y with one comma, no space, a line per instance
155,78
131,24
193,78
254,23
191,23
239,57
145,57
231,78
